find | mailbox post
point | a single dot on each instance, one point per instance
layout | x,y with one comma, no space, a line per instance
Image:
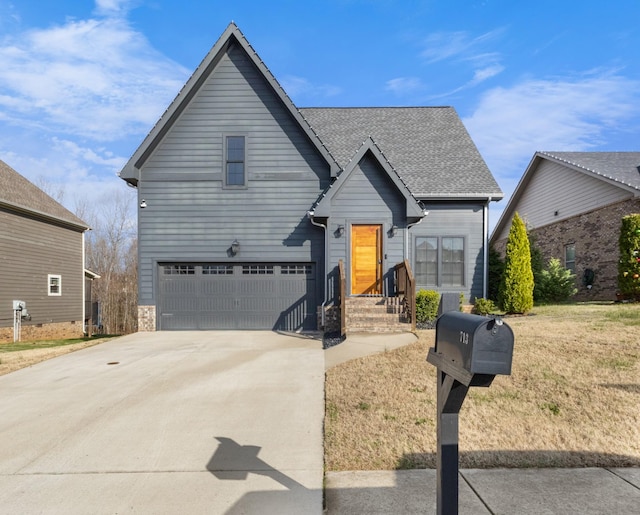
470,350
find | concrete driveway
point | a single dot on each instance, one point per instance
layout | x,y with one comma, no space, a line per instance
171,422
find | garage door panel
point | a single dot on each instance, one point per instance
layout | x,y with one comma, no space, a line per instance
218,286
237,296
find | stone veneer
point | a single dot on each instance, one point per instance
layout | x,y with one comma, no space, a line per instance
146,318
53,331
332,319
595,235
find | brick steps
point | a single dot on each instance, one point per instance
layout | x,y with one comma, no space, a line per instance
375,315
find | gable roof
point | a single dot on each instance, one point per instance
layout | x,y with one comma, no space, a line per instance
621,169
18,194
232,35
323,206
429,147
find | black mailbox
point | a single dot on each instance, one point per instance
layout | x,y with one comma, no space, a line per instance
472,348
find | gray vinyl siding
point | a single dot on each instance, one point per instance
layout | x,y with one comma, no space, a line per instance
465,220
368,197
30,250
190,216
557,188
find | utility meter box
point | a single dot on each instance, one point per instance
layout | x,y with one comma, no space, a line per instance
473,345
21,306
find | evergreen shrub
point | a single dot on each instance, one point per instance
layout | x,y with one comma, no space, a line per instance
484,307
629,264
555,283
516,287
427,302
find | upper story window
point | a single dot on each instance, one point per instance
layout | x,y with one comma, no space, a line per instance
235,161
570,257
440,261
55,285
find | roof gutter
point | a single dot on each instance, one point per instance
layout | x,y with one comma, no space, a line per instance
406,234
45,216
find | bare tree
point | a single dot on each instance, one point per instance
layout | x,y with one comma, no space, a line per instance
55,190
111,252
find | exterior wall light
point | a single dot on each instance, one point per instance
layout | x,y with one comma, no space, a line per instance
340,230
393,230
235,247
143,204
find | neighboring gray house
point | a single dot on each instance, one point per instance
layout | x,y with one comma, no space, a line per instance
573,204
248,204
42,255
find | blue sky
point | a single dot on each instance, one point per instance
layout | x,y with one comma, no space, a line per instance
82,82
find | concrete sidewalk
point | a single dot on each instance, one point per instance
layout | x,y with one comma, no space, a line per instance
586,491
589,491
359,345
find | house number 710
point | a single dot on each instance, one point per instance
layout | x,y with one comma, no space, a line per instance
464,337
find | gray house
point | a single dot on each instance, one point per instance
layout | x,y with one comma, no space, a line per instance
573,204
42,254
250,207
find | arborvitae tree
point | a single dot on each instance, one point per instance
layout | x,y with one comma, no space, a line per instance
537,266
555,283
629,264
496,268
516,287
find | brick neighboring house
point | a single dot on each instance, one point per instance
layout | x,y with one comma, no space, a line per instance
42,256
573,203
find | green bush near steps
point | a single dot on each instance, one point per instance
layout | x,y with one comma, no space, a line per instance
427,302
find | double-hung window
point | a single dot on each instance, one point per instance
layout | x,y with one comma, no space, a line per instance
55,285
440,261
235,161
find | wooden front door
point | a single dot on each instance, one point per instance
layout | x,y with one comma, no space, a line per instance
366,259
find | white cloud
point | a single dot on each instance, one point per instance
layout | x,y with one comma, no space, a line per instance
510,124
404,85
67,89
487,72
442,46
571,114
299,86
73,98
97,78
459,49
114,7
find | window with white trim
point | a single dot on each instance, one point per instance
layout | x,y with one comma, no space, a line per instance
440,260
55,285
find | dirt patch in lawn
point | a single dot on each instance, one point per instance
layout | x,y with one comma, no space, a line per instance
15,360
573,399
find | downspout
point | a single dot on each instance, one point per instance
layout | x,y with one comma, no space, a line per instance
485,271
406,235
325,265
85,329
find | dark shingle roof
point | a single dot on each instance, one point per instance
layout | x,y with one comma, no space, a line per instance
17,192
622,167
429,147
